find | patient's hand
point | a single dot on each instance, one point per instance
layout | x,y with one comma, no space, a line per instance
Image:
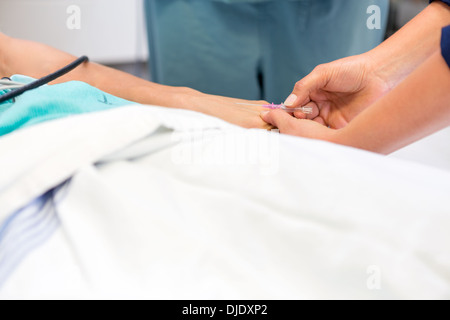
221,107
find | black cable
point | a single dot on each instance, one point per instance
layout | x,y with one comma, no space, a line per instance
38,83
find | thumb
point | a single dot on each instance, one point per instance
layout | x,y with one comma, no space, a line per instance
301,95
298,127
281,120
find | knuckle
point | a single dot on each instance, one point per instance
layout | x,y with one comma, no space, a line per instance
299,85
319,68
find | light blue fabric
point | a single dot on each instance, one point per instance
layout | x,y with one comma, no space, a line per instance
26,230
53,102
254,50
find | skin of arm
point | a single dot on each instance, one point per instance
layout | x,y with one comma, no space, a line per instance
416,108
37,60
342,89
407,49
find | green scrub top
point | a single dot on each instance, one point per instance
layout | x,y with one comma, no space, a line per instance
248,1
254,49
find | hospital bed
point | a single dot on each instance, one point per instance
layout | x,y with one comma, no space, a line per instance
153,203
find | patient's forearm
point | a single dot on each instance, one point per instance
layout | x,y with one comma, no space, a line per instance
419,106
402,53
36,60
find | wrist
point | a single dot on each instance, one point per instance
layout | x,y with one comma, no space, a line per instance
351,136
345,137
384,67
166,96
339,137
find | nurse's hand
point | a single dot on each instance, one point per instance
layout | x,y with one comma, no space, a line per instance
287,124
339,90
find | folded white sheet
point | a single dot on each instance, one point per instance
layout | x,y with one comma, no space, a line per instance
201,213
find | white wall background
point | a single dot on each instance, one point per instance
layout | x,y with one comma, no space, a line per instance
112,31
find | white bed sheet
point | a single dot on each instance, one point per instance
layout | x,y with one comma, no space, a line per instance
136,221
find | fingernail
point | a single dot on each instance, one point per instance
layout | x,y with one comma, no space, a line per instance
264,113
290,100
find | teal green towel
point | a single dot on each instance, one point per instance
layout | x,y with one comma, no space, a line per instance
53,102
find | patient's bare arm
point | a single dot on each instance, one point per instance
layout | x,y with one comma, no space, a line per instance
37,60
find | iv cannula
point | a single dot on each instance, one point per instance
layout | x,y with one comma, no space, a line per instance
305,110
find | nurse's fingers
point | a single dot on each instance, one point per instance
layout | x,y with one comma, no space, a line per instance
301,95
320,120
288,124
281,120
310,116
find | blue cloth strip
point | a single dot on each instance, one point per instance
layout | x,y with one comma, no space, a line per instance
445,44
445,1
25,231
445,40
